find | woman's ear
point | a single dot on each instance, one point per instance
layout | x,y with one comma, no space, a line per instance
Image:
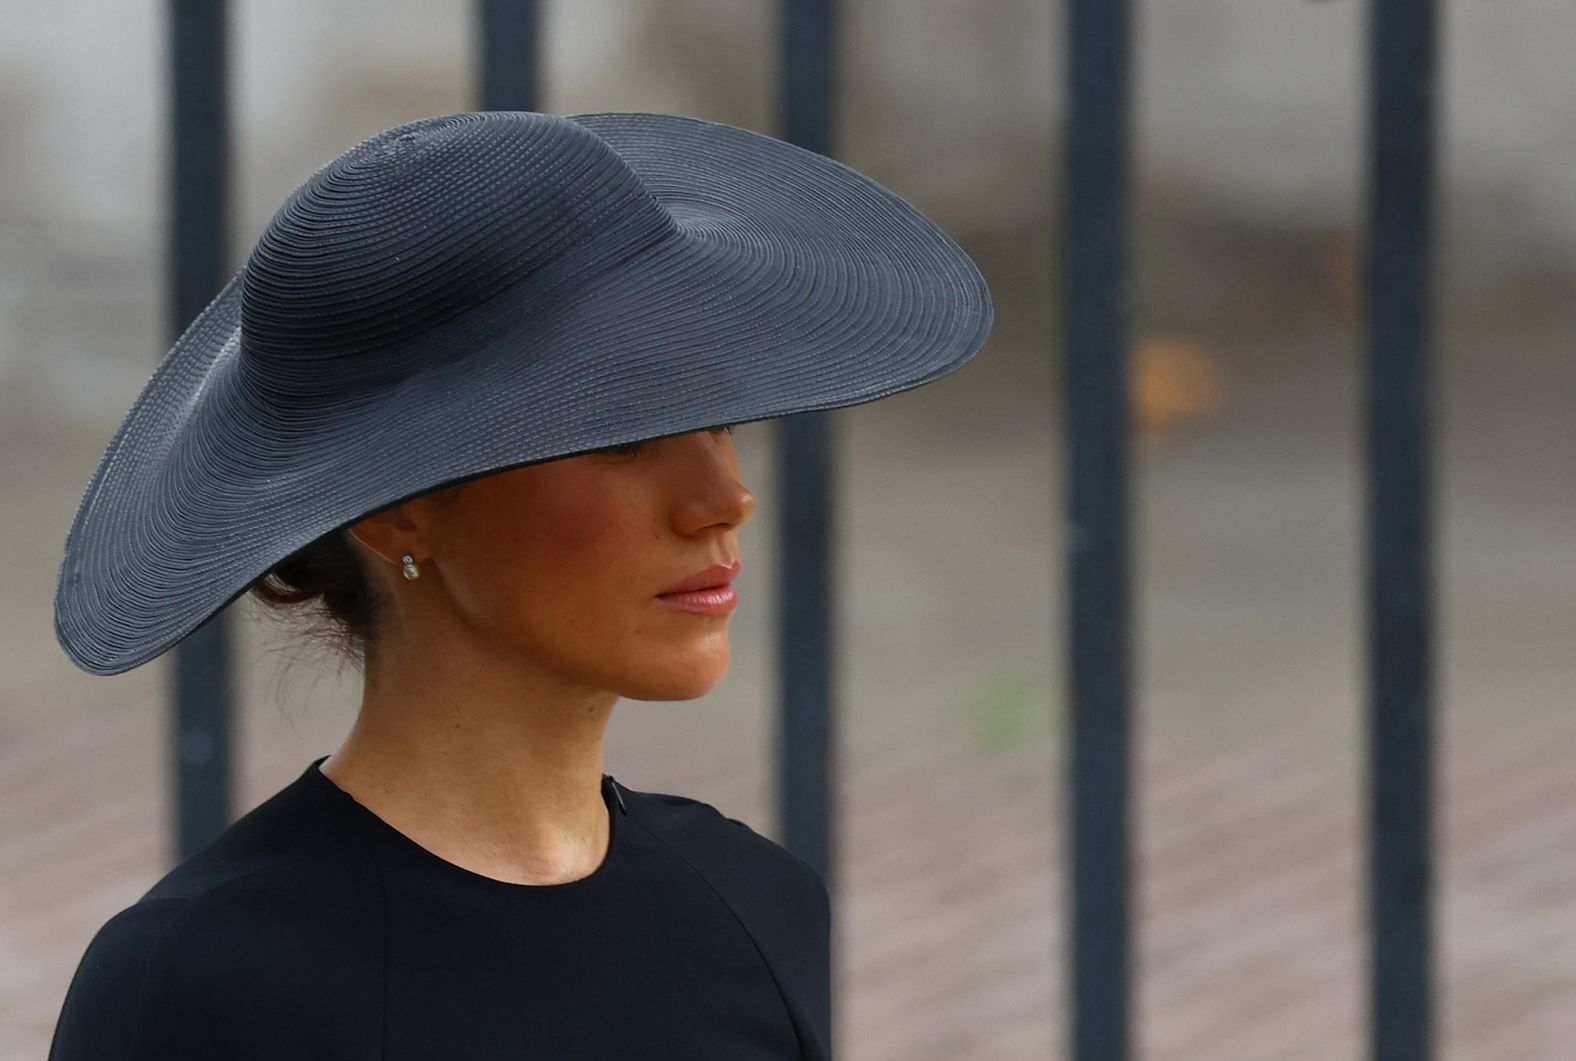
390,533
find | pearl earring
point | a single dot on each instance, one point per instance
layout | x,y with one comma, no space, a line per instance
411,570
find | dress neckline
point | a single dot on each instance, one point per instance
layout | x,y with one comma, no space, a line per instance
611,798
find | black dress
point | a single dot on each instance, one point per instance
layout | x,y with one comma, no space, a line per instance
313,929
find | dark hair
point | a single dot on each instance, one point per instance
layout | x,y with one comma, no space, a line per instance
325,580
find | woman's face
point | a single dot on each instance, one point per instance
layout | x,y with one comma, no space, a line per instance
562,562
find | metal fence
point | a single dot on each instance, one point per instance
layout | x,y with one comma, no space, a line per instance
1095,247
1400,150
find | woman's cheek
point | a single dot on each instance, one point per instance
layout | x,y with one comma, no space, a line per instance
595,523
579,537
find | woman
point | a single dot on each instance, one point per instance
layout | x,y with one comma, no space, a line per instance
471,399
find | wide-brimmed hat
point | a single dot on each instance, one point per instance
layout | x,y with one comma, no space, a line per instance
468,293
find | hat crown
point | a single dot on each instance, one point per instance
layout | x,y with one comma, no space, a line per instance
426,221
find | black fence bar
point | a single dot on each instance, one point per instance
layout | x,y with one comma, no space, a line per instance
805,470
1095,286
199,211
507,40
1400,607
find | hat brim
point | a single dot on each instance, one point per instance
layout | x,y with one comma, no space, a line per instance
792,283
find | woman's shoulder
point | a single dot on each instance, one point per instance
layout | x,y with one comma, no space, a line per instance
772,890
697,829
229,943
206,961
227,964
99,1018
779,898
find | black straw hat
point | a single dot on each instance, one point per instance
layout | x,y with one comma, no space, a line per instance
468,293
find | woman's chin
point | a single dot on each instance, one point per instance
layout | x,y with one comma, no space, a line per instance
680,679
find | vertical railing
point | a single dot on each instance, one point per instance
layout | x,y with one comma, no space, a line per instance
805,476
508,47
1094,222
1400,592
197,241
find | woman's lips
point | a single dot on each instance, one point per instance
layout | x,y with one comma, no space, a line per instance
716,600
708,592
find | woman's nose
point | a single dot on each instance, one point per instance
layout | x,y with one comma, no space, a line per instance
712,492
718,500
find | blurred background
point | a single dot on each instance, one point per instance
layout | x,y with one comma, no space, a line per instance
1248,199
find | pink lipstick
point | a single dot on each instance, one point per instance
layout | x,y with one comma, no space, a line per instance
708,592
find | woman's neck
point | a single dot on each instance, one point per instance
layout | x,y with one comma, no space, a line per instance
494,767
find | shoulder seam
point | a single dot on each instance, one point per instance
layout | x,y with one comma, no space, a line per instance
182,905
780,849
374,856
804,863
744,927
